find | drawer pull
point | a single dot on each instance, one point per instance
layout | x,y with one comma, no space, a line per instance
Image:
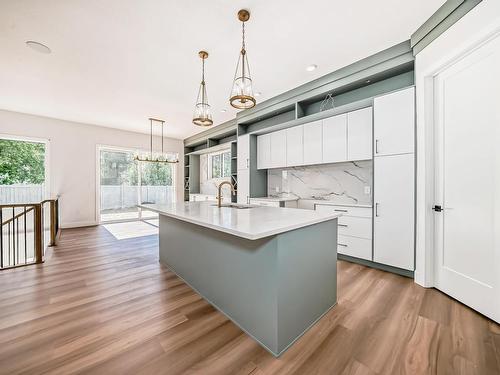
341,244
343,225
340,210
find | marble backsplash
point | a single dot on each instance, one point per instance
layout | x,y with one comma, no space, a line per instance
342,183
209,186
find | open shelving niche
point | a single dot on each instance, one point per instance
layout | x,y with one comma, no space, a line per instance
211,140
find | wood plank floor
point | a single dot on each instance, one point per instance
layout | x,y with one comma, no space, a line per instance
103,306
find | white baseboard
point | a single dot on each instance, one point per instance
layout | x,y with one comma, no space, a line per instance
78,224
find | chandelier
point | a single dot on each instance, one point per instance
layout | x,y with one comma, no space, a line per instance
154,157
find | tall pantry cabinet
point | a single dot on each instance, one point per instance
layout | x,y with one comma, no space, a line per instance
394,179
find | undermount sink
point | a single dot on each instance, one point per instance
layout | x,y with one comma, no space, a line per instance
234,205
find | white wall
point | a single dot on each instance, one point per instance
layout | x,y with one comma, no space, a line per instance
72,154
474,28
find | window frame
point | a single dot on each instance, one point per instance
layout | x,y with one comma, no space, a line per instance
222,164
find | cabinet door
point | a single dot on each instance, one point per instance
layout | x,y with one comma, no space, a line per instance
278,149
335,139
264,151
359,134
295,146
394,199
394,123
313,147
243,152
243,186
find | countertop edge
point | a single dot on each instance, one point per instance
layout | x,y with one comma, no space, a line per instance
236,233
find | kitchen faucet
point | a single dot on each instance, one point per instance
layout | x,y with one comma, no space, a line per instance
219,197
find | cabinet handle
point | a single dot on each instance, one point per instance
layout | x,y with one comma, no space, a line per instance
376,209
376,146
340,210
343,225
341,244
248,163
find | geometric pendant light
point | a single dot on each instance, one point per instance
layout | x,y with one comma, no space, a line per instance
242,91
202,114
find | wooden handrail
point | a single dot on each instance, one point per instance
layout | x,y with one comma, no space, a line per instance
38,233
32,207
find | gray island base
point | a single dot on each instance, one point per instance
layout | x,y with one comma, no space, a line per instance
274,288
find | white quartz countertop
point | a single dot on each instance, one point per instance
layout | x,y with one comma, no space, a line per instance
276,199
251,223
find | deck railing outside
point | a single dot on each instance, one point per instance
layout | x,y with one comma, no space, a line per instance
26,229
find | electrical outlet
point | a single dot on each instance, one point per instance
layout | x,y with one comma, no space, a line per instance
368,190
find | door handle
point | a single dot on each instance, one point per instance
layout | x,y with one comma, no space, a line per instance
248,164
376,209
340,210
439,208
341,244
376,146
343,225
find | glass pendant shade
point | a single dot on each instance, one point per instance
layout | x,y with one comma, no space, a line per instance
242,91
202,115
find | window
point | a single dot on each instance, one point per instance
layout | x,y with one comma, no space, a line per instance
220,164
22,170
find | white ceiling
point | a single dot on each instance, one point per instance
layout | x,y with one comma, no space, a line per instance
117,62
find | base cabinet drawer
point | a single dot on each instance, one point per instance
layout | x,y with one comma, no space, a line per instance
354,247
345,210
355,226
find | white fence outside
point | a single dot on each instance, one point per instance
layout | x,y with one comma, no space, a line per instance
21,193
123,196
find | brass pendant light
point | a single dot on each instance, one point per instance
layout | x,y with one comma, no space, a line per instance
202,114
162,158
242,92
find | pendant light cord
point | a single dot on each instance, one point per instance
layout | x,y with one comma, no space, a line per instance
243,36
203,80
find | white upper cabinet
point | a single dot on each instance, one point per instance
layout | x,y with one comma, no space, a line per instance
243,152
313,142
264,151
278,149
295,146
394,123
335,139
359,134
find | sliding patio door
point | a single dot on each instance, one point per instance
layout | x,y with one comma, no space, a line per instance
119,185
124,183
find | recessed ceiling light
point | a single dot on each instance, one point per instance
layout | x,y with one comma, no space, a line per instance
311,67
39,47
223,110
258,93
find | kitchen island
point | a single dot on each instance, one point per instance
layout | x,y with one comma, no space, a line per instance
272,271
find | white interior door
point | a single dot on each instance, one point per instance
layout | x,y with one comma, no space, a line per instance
467,114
